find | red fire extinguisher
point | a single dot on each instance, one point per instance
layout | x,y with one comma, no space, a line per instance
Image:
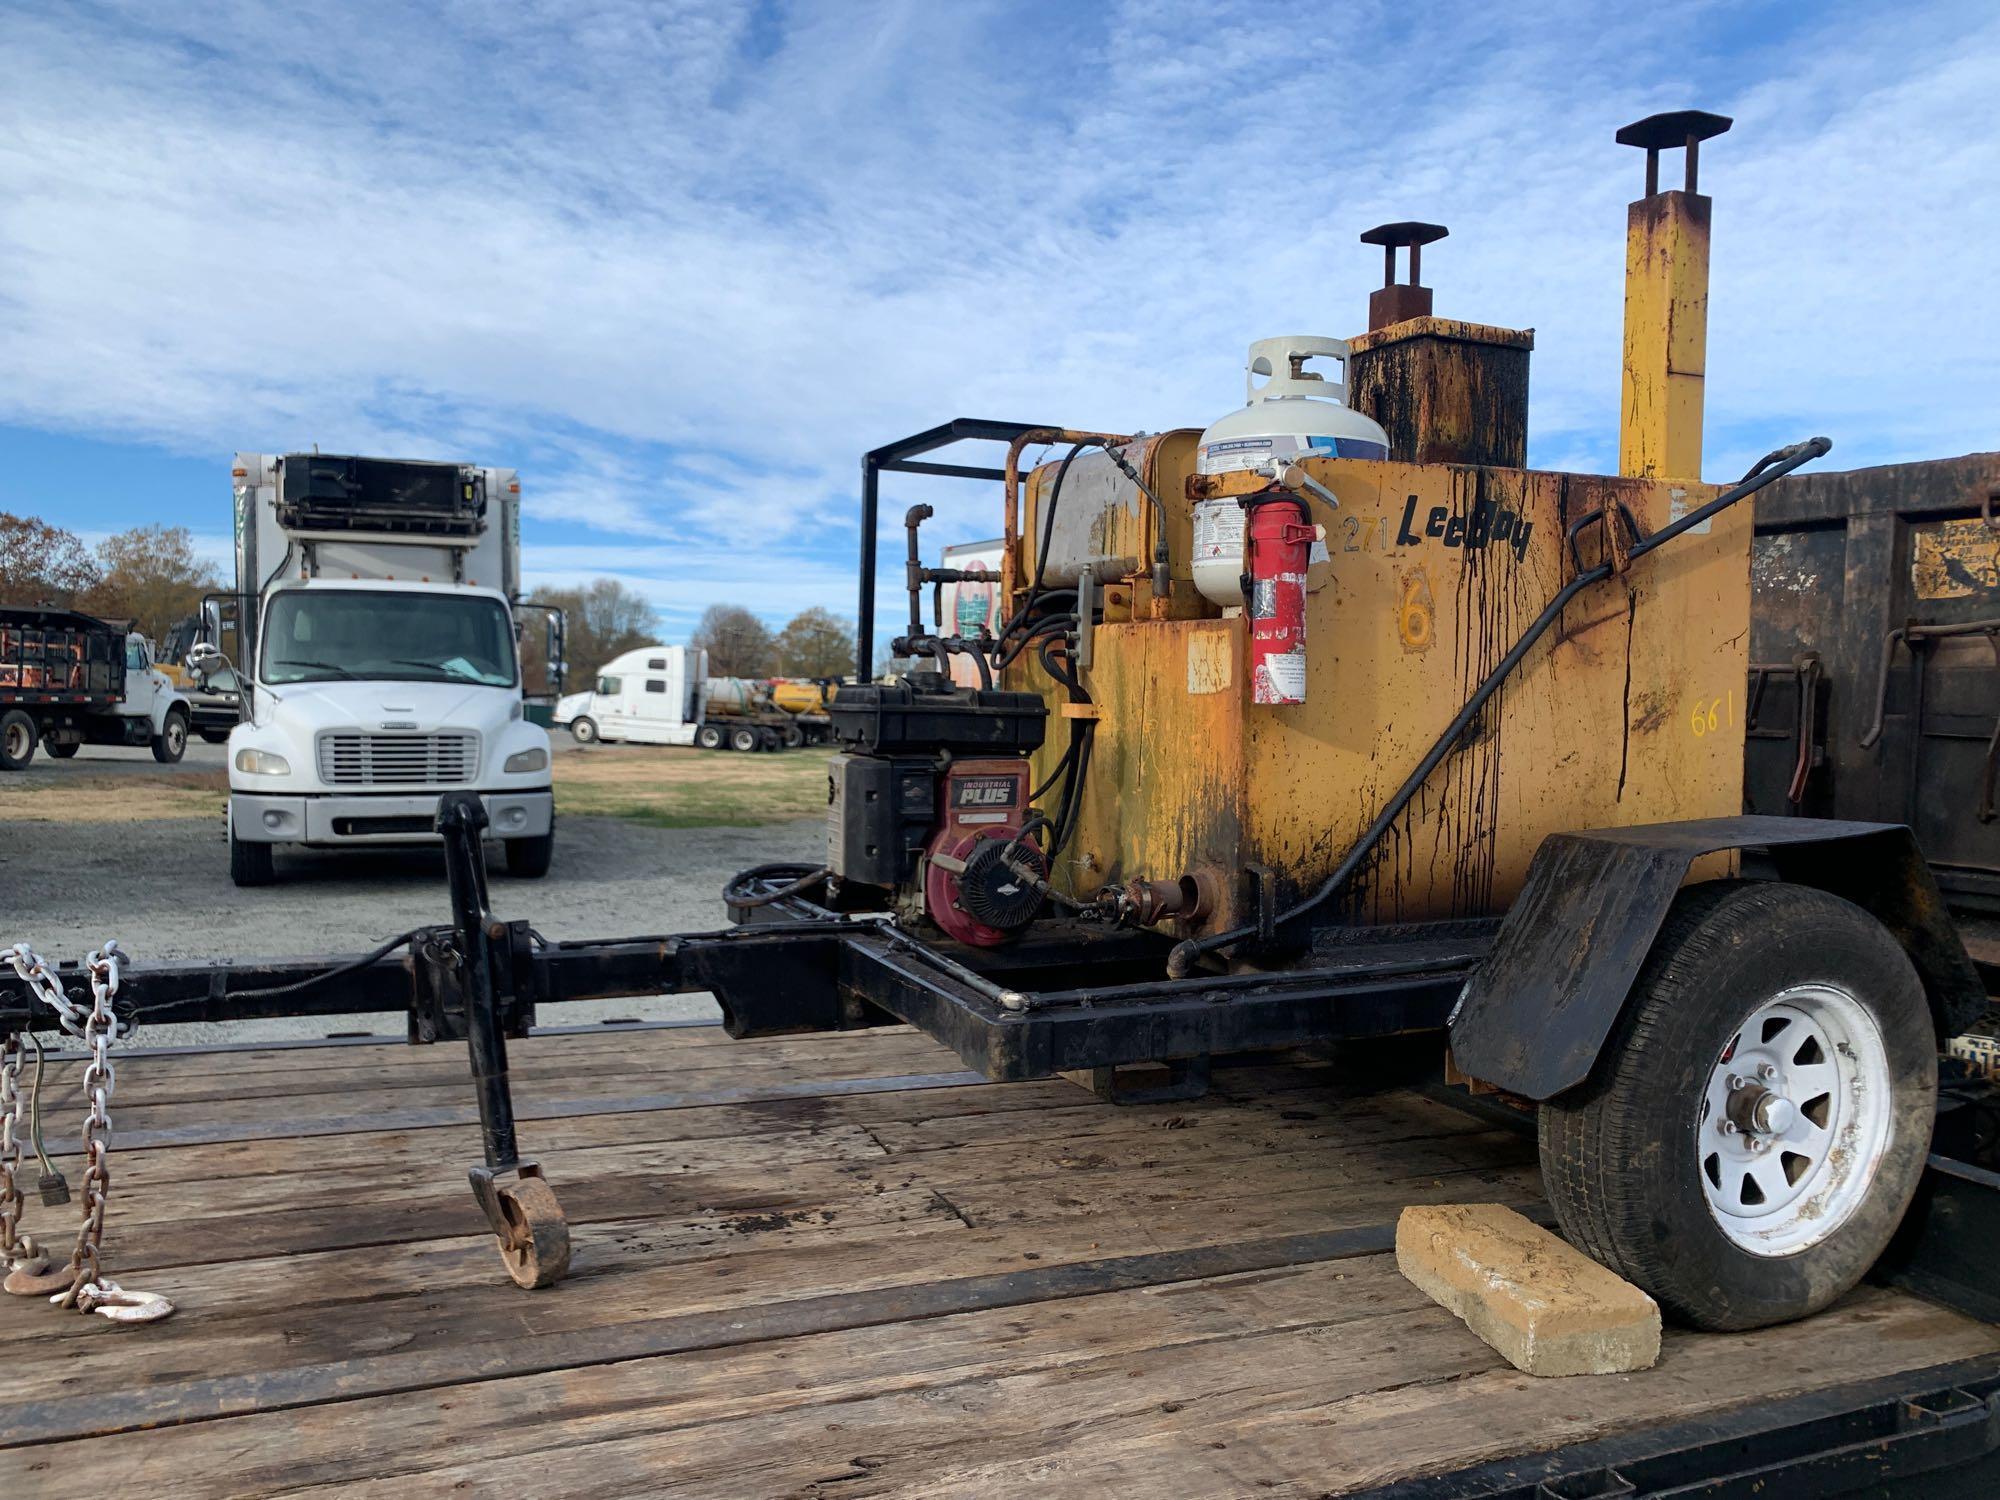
1281,541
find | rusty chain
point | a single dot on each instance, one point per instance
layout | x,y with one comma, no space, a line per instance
17,1251
82,1284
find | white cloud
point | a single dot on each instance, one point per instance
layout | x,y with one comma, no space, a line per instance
683,262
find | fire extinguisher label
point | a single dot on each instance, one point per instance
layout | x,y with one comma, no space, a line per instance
1282,679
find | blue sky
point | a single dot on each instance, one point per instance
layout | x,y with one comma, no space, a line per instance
682,262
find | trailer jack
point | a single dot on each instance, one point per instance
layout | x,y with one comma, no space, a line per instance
467,989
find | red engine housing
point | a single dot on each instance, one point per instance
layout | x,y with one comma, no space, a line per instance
977,800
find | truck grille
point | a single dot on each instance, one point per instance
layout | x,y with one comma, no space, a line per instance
348,759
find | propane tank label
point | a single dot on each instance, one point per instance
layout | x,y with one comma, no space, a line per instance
1218,529
1282,679
1226,454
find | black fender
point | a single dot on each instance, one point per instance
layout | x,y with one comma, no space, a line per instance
1534,1015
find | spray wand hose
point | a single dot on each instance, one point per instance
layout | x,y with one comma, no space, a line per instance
1181,961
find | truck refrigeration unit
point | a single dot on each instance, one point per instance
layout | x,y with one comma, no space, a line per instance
378,659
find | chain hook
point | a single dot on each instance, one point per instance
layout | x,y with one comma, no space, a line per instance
108,1299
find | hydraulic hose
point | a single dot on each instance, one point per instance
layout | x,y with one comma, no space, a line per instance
799,879
1774,465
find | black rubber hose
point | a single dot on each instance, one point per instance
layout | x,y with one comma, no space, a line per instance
1180,962
735,893
352,965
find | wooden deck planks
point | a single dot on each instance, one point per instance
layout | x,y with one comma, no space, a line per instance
810,1262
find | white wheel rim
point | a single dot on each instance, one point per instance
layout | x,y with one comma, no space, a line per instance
1795,1119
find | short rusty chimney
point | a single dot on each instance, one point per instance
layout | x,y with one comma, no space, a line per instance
1396,300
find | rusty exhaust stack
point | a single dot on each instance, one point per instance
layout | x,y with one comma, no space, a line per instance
1394,301
1666,304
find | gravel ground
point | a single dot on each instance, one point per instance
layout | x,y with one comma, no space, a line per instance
162,888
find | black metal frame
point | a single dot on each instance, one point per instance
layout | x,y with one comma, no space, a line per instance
1932,1433
900,457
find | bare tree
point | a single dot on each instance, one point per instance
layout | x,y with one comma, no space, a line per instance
817,643
737,642
151,576
42,564
601,620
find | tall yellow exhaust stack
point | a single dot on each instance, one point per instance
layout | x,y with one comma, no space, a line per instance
1666,305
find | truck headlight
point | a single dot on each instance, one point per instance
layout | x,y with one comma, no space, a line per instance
527,760
262,763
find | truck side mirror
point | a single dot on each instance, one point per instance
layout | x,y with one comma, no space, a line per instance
202,661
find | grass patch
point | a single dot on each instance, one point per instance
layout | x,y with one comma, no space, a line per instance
663,786
26,797
670,786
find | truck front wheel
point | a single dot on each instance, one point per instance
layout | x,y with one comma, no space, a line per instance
583,731
171,743
1756,1124
17,740
529,858
249,864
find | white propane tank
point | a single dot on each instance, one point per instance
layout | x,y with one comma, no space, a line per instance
1289,413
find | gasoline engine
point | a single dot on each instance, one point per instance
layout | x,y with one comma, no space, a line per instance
930,800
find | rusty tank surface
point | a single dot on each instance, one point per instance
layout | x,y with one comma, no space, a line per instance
1429,574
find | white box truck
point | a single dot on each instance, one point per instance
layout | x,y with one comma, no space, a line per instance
376,629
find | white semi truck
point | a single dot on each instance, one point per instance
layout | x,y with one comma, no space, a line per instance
376,630
663,695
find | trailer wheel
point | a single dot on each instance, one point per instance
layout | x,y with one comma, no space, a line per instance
743,739
17,740
62,749
583,731
171,743
709,736
1758,1120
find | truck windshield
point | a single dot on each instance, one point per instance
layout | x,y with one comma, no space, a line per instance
326,635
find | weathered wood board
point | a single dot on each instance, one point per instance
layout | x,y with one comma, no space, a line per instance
803,1264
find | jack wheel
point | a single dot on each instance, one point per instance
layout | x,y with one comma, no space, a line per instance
535,1249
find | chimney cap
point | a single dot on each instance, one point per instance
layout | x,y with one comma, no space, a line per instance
1404,232
1676,127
